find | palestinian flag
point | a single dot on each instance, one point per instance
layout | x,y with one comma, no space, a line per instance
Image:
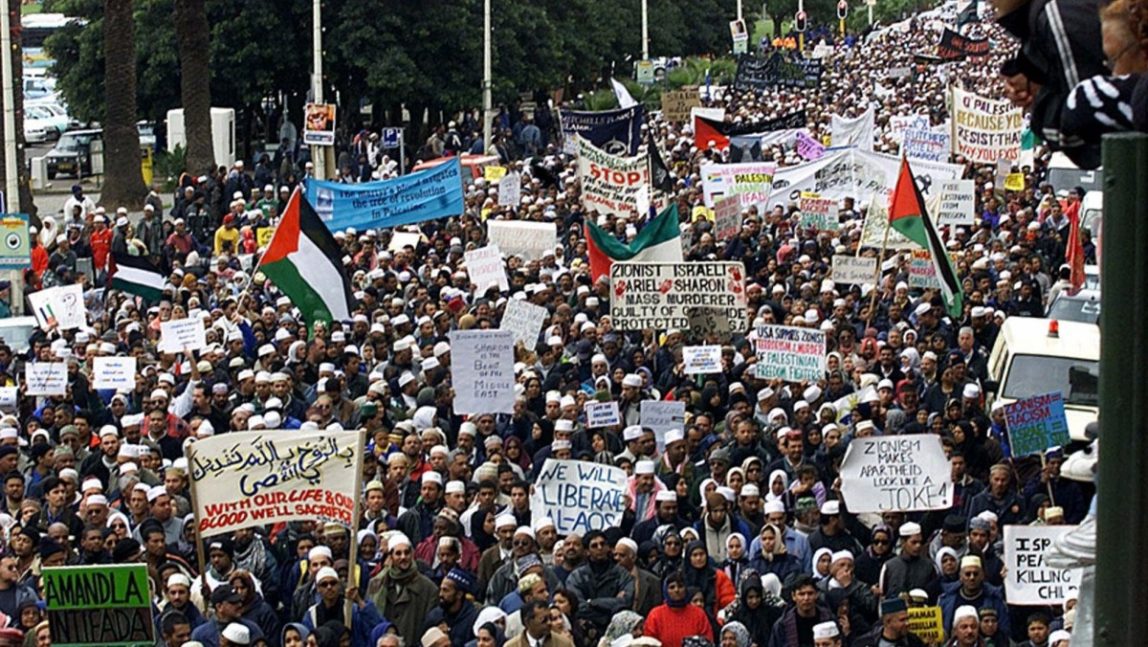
907,215
710,130
137,275
659,241
305,263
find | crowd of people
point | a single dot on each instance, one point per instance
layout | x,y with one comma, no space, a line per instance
736,533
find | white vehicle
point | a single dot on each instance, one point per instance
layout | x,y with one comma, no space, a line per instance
57,118
1063,175
38,131
1038,356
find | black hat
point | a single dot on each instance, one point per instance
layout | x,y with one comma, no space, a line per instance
224,593
222,544
48,548
126,550
955,523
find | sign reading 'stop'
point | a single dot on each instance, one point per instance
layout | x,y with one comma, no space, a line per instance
663,295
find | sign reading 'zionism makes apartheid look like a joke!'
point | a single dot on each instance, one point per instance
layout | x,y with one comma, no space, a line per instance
107,605
789,353
579,496
662,295
896,474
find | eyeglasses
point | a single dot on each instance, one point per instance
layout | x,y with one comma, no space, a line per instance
521,542
884,542
328,584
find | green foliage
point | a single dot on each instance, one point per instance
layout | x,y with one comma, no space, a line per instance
168,166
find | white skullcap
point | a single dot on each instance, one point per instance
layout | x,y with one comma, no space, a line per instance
826,630
319,551
644,467
965,611
909,529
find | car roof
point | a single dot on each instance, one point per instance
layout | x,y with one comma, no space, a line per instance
1083,295
1029,336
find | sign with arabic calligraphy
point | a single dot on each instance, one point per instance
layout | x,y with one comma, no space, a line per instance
244,479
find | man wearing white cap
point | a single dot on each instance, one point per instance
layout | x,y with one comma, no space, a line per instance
911,568
666,502
826,634
401,593
966,628
332,602
643,487
419,520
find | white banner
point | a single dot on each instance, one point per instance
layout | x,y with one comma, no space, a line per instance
855,270
401,239
985,130
701,360
857,174
898,124
510,190
896,474
873,230
857,131
178,335
254,478
661,295
485,268
602,414
118,373
751,182
60,307
789,353
926,144
482,371
1028,579
579,496
524,319
957,205
530,240
611,184
46,378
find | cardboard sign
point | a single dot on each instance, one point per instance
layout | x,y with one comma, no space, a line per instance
107,605
660,295
676,104
263,236
611,184
855,270
529,240
789,353
727,218
485,268
751,182
927,623
510,191
493,173
61,307
9,397
985,130
579,496
701,360
926,144
706,322
1014,182
178,335
402,239
16,252
922,271
1036,424
896,474
818,213
319,124
116,373
482,371
662,417
809,148
602,414
524,319
873,230
898,124
1029,580
251,478
46,378
957,203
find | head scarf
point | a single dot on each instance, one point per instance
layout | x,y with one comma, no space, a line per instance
740,633
623,623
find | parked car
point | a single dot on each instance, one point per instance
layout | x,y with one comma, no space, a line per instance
57,122
72,154
1084,306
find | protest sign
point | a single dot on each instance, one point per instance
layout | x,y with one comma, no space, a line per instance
9,397
251,478
1014,182
818,213
61,308
493,173
46,378
1036,424
855,270
956,46
856,131
107,605
777,70
319,124
435,192
178,335
896,474
705,322
611,184
985,130
957,203
926,144
1029,580
751,182
727,218
676,104
616,132
579,496
16,252
898,124
808,147
116,373
484,265
524,319
701,360
922,271
529,240
482,371
602,414
263,236
876,232
403,239
660,295
509,190
789,353
662,417
857,174
927,623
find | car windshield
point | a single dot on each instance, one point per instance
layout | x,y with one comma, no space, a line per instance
1086,310
69,143
1077,379
1063,179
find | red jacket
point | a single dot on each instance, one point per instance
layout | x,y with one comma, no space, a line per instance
671,625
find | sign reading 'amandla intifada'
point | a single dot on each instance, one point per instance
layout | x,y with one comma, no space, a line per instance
789,353
662,295
107,605
253,478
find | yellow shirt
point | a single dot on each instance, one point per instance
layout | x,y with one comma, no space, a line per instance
225,235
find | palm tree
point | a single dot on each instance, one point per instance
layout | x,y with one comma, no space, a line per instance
123,179
192,33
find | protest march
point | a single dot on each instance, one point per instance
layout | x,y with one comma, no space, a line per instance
807,356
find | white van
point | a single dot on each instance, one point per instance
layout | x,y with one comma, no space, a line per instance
1038,356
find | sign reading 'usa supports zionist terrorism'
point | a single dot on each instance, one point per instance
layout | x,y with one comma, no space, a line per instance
789,353
579,496
252,478
663,295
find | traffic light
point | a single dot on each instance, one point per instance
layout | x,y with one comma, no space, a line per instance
842,10
799,21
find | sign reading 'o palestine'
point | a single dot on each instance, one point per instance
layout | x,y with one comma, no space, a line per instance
663,295
896,474
789,353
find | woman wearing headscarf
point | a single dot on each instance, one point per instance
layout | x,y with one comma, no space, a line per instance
774,558
879,551
253,607
670,557
482,528
756,609
737,556
675,619
520,456
713,583
294,635
822,561
734,634
488,635
623,624
777,489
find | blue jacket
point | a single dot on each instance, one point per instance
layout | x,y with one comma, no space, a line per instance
364,619
991,596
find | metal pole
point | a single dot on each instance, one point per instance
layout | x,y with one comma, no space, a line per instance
11,170
487,117
869,6
739,9
646,29
801,34
318,155
403,154
1122,489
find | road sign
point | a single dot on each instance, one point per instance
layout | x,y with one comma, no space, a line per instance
15,245
392,137
842,9
799,21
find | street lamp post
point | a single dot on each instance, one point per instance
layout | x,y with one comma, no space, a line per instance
318,155
487,117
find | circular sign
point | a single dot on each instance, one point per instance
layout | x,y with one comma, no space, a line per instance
13,241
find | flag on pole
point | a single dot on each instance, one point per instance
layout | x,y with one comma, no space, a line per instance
305,263
1074,255
660,175
622,94
137,275
659,241
907,214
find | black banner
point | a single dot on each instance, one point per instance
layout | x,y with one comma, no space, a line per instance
954,46
777,70
617,132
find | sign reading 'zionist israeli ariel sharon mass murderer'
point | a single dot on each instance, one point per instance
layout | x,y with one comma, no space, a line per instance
662,295
789,353
896,474
579,496
108,605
